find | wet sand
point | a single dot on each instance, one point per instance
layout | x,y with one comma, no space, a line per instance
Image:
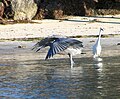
73,26
21,50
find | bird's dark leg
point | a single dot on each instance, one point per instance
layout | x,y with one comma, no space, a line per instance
71,60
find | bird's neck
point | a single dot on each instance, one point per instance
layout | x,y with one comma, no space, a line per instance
98,41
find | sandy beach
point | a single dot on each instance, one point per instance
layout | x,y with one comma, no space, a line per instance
71,26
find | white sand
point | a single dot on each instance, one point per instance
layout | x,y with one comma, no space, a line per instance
75,26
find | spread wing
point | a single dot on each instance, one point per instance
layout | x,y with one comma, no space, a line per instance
56,44
56,47
42,44
61,44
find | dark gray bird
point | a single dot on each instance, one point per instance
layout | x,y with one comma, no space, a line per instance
60,45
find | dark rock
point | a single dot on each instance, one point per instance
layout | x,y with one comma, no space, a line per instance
56,9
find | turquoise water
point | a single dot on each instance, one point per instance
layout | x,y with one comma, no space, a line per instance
53,79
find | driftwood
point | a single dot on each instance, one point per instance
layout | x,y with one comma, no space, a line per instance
1,9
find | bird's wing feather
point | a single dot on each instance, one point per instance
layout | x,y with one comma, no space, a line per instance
74,43
56,45
55,48
41,44
62,44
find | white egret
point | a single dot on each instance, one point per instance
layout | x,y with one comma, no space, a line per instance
97,47
59,44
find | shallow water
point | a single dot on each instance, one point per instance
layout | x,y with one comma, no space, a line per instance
23,76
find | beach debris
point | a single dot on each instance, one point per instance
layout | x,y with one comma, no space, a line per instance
118,43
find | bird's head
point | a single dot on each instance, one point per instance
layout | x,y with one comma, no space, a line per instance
101,29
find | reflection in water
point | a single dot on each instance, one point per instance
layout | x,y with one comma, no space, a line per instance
54,79
98,64
98,59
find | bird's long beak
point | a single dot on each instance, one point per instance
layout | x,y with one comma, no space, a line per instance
101,29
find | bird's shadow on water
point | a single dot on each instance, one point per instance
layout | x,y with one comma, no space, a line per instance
62,62
62,66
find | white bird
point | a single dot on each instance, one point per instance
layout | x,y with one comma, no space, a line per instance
97,47
60,45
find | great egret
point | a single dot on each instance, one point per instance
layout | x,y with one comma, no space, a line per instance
97,47
60,45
